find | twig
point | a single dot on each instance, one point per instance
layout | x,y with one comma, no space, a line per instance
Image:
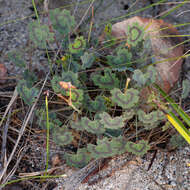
4,137
14,97
82,19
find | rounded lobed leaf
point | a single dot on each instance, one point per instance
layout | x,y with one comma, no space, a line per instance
139,148
27,94
94,127
128,114
139,77
186,88
62,21
111,123
87,60
103,149
151,117
121,61
135,34
78,46
106,81
39,34
61,136
97,105
127,100
78,160
70,76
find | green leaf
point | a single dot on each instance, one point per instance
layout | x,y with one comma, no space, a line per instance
128,114
135,34
139,77
39,34
70,76
87,60
151,117
61,136
121,61
78,46
62,21
106,81
151,74
27,94
103,149
127,100
94,127
79,160
96,105
145,78
111,123
17,58
177,141
139,148
76,97
54,122
30,78
186,88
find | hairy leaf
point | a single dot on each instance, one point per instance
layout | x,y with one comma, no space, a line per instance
106,81
94,127
62,21
30,78
186,88
139,148
61,136
27,94
78,160
135,34
87,60
128,114
127,100
39,34
103,149
78,46
111,123
177,141
151,117
139,77
96,105
121,61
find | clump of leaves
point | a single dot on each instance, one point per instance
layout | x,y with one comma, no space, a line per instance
104,115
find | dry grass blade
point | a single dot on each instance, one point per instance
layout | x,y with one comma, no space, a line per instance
20,133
